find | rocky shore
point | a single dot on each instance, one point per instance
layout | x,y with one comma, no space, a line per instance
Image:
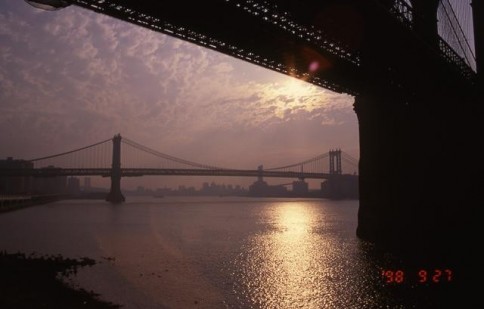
31,281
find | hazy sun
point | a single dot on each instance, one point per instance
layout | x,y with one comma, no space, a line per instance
291,95
297,88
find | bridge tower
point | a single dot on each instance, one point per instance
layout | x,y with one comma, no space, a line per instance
414,115
260,172
478,13
333,186
335,162
115,195
425,21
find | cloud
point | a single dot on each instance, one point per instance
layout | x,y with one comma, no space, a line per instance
71,77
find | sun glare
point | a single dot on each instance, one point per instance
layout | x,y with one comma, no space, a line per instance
297,88
291,95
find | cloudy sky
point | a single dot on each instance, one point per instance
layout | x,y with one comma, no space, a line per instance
72,77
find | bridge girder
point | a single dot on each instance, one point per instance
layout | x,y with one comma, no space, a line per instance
321,42
261,34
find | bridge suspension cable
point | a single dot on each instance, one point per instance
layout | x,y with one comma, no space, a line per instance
288,167
97,155
318,164
169,160
352,161
452,29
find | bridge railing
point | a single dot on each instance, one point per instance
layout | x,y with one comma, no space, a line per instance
453,57
404,13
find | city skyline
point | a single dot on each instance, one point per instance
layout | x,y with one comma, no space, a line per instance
72,77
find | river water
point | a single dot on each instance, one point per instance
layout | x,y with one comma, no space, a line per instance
226,252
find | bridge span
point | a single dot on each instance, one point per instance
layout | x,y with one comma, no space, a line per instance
130,159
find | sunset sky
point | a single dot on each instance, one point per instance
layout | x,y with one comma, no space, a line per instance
72,77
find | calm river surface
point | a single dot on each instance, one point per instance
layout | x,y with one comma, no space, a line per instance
224,252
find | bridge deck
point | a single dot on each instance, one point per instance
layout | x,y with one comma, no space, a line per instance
136,172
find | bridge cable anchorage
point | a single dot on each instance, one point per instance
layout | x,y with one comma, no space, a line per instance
168,157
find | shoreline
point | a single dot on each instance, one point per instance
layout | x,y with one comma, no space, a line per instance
31,281
11,203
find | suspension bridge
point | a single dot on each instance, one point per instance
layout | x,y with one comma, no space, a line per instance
121,157
415,68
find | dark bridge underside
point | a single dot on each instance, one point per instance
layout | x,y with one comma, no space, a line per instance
252,31
321,42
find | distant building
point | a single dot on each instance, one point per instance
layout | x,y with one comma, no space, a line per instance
341,186
300,187
15,185
261,188
73,186
87,184
50,185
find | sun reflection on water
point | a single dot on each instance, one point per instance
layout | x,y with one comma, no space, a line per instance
285,266
292,248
